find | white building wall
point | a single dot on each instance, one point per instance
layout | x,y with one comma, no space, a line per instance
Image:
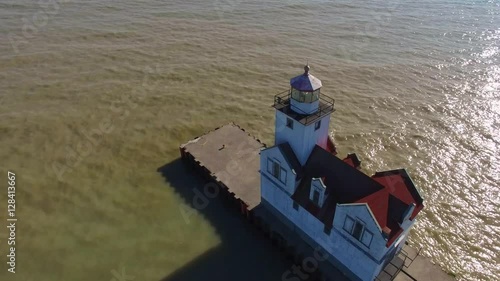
360,211
355,253
377,249
365,262
335,243
275,153
301,218
407,226
301,138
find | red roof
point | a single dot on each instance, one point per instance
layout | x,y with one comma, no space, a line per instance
349,161
330,146
391,203
389,195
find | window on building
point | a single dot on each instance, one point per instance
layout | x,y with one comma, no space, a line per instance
295,94
270,165
348,223
357,229
308,97
317,125
302,97
367,238
275,169
289,123
282,177
295,205
315,198
315,95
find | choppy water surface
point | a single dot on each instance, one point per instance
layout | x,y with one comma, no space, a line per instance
416,83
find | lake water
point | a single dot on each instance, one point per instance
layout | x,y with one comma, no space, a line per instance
96,95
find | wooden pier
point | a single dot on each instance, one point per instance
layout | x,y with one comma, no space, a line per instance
229,157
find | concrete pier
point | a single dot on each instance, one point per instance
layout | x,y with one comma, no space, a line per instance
229,157
421,268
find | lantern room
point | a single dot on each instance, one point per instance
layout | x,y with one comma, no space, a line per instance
304,92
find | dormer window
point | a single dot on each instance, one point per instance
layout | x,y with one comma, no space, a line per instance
276,170
317,194
315,198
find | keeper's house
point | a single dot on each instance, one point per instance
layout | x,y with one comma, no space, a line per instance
361,221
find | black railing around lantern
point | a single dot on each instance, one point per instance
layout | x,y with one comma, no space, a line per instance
282,103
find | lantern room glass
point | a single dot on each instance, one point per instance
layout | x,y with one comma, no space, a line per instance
305,97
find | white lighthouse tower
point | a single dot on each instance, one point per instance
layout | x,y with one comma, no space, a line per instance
303,115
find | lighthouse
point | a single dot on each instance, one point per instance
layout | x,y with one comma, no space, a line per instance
303,115
309,199
362,222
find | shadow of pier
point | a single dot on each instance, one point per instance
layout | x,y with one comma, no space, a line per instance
244,252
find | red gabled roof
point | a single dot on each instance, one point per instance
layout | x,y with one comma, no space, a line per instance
388,194
391,203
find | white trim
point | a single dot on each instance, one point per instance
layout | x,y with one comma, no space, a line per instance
321,181
280,155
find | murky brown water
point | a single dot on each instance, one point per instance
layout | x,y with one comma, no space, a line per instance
96,95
